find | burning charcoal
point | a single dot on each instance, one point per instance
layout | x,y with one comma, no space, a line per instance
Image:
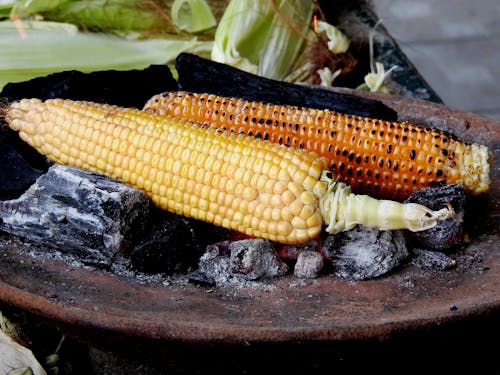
16,175
169,246
447,233
293,251
78,212
431,260
255,258
309,264
363,253
129,88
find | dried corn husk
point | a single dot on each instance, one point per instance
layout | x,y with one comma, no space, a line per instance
15,358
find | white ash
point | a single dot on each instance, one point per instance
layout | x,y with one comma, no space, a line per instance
121,265
309,264
363,253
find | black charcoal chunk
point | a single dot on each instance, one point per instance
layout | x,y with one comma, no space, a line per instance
78,212
16,175
197,74
447,233
201,279
128,88
431,260
255,258
363,253
309,264
168,247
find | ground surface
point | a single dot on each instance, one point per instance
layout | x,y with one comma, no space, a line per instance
454,44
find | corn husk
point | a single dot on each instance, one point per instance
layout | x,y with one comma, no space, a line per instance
261,36
192,15
127,17
46,47
15,359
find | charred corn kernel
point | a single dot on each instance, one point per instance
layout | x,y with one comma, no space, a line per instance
381,158
190,179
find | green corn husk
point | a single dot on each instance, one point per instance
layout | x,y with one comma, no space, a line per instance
118,16
262,36
125,17
287,35
192,15
51,47
6,8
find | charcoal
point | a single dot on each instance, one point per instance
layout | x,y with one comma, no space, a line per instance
16,175
197,74
447,234
255,258
201,279
168,247
309,264
129,88
293,251
79,213
215,263
363,253
431,260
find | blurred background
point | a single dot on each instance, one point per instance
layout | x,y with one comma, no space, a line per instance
454,44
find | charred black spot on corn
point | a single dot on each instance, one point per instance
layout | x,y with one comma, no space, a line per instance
399,150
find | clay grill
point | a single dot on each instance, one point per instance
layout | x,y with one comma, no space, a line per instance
327,315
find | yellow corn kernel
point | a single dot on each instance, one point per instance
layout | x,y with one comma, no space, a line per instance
353,146
197,173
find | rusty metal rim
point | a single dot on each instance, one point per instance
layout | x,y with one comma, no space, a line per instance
202,332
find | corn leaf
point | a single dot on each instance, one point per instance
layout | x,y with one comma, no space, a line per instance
111,15
192,15
242,33
24,8
261,36
52,47
6,8
287,35
119,16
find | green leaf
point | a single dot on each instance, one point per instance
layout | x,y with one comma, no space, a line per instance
51,47
261,36
287,35
24,8
242,33
192,15
110,15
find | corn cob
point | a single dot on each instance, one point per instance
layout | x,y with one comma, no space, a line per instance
380,158
238,182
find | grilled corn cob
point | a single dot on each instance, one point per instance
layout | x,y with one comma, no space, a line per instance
238,182
380,158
